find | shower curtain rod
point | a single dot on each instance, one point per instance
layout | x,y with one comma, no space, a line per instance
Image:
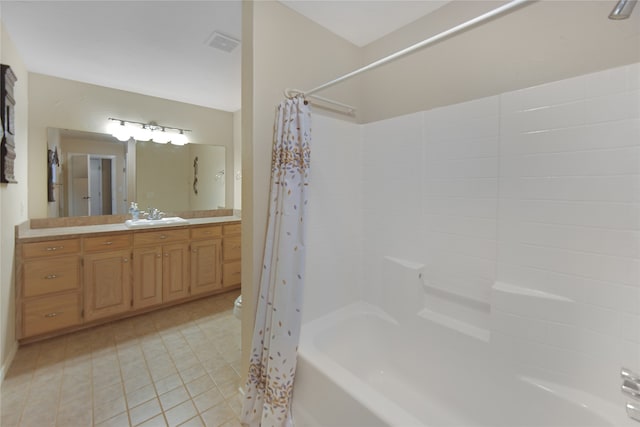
390,58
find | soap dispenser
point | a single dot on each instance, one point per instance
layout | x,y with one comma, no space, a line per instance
133,210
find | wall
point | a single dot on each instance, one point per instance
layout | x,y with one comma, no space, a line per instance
237,160
67,104
543,41
13,202
525,210
167,186
211,183
334,235
280,49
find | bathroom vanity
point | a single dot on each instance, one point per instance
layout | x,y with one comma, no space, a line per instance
74,277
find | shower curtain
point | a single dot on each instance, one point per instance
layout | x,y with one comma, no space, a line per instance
277,328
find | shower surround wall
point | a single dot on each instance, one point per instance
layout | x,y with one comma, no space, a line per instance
524,209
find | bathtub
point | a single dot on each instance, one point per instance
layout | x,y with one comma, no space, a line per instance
358,367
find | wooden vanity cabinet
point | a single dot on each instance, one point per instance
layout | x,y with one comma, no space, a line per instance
107,276
231,252
49,298
161,267
206,259
64,284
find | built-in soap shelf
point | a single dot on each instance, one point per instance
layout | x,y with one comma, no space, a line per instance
459,299
457,325
522,291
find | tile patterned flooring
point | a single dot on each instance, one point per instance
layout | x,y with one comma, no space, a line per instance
174,367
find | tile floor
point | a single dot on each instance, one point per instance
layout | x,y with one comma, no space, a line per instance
174,367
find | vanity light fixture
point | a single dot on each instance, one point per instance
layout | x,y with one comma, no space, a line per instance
123,130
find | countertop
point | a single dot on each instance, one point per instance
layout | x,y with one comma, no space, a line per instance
25,232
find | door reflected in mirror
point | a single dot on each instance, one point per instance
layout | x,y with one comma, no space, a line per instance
91,185
99,175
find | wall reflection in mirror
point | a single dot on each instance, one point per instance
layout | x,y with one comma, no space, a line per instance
99,175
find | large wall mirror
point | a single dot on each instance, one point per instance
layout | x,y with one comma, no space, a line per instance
95,174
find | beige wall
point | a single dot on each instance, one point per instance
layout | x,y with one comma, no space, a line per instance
68,104
211,185
165,184
544,41
13,202
280,49
237,160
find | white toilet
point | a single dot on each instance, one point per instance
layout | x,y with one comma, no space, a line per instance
237,307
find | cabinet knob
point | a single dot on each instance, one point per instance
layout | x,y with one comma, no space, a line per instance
50,276
163,236
54,314
166,255
195,251
159,256
125,259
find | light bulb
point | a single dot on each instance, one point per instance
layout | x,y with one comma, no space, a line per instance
142,134
179,138
121,132
160,136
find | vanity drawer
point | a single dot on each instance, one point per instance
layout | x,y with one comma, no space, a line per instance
231,248
206,232
49,314
231,273
47,276
232,228
155,237
110,242
51,248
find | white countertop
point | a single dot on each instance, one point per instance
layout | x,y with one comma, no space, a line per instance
26,233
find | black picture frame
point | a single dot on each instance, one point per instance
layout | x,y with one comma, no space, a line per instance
7,109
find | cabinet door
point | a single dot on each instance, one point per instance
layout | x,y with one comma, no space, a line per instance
231,248
175,271
147,276
206,257
107,284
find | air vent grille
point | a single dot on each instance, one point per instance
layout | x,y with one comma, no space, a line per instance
223,42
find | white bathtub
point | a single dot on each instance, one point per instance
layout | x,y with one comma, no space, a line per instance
357,367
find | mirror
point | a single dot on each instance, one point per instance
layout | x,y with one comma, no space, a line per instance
99,175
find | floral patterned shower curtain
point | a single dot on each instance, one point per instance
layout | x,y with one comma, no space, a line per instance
277,329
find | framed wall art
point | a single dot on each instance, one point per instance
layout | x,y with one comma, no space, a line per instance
7,107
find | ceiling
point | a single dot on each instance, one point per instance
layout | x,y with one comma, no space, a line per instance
362,22
159,48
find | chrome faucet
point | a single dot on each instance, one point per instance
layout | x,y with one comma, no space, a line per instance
153,213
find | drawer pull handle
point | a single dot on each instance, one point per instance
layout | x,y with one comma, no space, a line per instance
162,236
54,314
108,243
54,248
125,259
50,276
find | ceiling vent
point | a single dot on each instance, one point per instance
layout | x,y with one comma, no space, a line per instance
221,41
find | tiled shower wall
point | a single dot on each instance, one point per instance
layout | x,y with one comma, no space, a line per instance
537,188
569,225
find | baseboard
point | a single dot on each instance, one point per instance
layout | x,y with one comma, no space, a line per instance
7,363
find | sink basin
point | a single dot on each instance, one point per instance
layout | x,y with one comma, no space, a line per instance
163,222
